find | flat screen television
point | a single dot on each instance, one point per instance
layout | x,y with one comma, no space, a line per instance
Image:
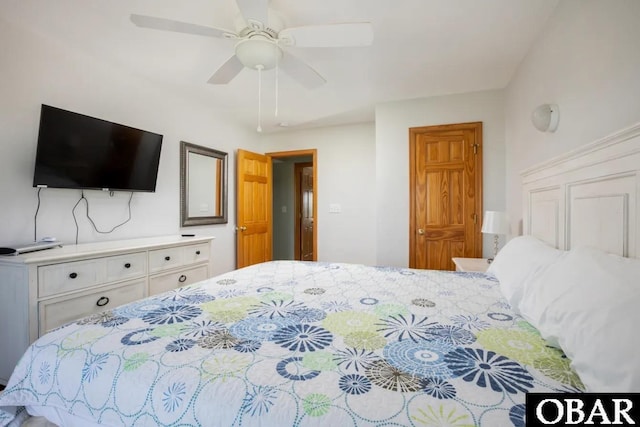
78,151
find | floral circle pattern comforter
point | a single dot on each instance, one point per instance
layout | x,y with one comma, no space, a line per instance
291,343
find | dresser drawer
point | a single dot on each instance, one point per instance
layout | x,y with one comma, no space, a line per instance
166,282
56,312
196,253
69,276
163,259
127,266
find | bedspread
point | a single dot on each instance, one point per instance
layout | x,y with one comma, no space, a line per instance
291,343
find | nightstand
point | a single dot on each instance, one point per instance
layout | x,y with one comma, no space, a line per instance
471,264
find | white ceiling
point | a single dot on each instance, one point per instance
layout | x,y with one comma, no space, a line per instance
421,48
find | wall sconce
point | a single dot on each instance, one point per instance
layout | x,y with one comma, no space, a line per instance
495,223
545,117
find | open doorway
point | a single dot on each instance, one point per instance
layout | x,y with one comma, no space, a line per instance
294,208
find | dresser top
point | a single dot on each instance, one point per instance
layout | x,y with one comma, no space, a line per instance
67,252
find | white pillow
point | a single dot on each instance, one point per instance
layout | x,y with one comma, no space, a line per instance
519,261
589,302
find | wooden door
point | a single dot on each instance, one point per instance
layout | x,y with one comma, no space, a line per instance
253,208
445,165
304,242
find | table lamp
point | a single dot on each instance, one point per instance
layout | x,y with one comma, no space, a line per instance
495,223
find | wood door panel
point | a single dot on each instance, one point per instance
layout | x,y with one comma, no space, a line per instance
254,215
307,213
439,253
448,185
255,199
435,212
305,224
252,242
446,196
442,150
456,250
456,199
456,151
441,233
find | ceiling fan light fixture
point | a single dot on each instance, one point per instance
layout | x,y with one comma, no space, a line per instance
258,51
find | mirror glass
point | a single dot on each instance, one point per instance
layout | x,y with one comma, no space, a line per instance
203,185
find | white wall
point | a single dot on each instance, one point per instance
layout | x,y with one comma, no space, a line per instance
36,71
346,176
393,121
587,61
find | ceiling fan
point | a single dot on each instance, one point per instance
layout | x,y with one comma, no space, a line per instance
260,41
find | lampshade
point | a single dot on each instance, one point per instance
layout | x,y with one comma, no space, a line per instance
495,222
545,117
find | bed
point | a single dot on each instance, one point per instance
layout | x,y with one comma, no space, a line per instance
291,343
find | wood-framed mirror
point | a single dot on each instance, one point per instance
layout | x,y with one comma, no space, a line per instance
203,185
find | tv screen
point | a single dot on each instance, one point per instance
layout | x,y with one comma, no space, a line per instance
78,151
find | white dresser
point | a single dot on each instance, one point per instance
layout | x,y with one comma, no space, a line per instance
42,290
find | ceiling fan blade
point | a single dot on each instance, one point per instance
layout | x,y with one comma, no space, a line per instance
330,35
254,11
179,27
300,71
227,71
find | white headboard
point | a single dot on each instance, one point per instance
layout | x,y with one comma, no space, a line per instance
589,196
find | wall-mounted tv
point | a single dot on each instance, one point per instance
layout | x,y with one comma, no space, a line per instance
78,151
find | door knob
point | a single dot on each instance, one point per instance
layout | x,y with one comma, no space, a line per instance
421,231
242,228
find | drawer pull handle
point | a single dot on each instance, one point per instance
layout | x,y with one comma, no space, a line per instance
182,278
102,301
167,258
127,265
197,252
73,275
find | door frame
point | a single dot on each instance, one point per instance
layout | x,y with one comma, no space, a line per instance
314,163
476,127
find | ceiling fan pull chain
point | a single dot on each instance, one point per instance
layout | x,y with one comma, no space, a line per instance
259,67
277,80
